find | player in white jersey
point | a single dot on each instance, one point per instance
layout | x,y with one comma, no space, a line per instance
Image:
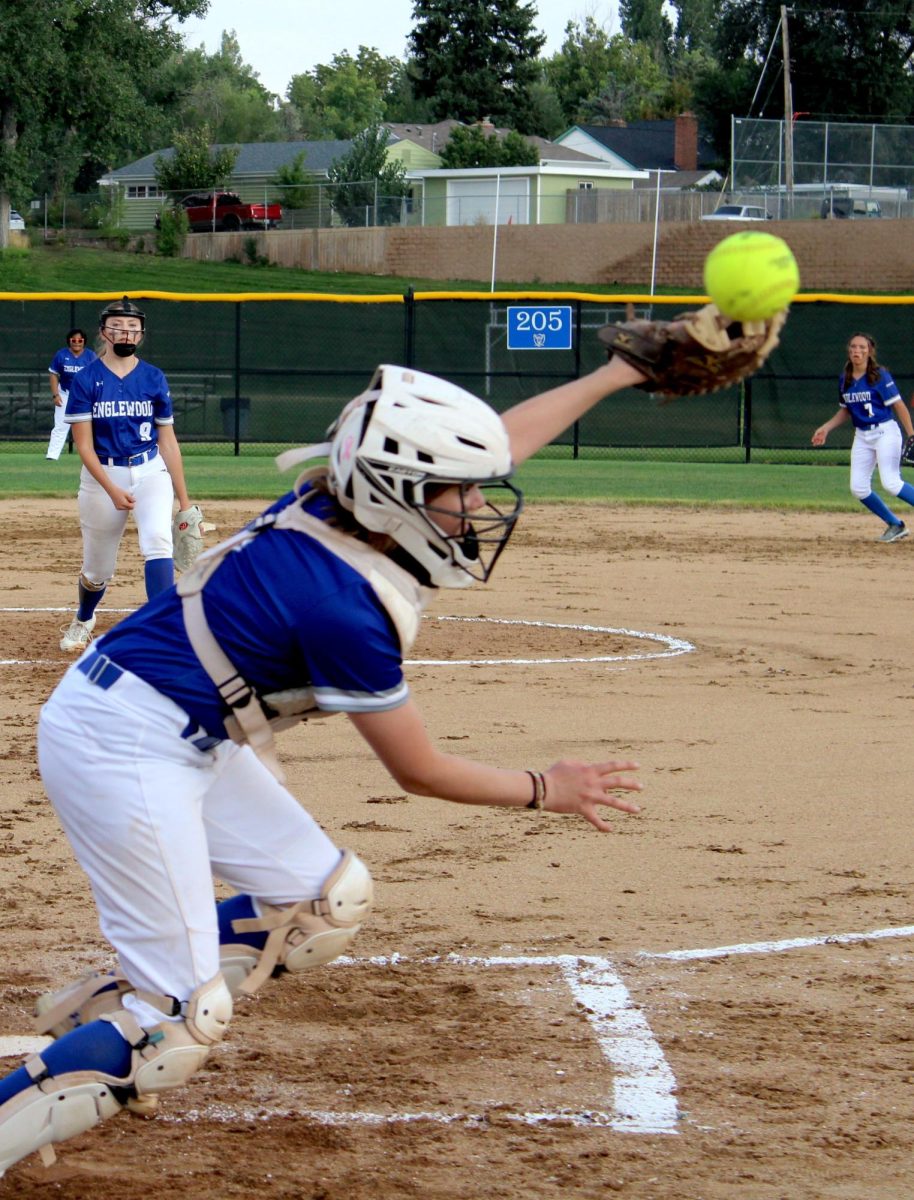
67,362
157,747
120,411
869,396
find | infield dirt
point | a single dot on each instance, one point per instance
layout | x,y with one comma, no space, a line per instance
776,806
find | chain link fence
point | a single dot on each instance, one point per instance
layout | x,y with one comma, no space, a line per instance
255,376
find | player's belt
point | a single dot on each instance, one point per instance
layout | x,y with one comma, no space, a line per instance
134,460
100,670
875,425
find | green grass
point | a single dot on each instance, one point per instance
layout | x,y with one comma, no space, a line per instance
82,269
546,479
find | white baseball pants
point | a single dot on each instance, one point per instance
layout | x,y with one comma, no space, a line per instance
59,433
103,525
876,447
152,820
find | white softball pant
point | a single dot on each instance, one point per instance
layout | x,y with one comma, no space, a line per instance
871,447
103,525
59,433
152,819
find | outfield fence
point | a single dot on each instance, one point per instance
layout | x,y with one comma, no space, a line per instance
262,370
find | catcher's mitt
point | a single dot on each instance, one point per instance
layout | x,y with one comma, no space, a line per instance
696,352
907,452
187,530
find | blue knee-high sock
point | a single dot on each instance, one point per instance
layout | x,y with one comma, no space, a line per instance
94,1047
906,493
89,601
160,574
878,506
240,907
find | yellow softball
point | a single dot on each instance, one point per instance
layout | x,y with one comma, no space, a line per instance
751,275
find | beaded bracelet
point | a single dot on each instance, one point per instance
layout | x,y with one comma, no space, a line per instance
539,790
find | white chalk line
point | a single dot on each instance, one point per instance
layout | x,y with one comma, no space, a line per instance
672,646
643,1099
829,939
643,1085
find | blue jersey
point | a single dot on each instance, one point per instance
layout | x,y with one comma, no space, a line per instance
870,404
65,365
124,412
288,614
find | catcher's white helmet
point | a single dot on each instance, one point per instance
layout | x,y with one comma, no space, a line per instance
396,446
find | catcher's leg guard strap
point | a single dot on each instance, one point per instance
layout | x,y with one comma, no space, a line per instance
92,1072
304,935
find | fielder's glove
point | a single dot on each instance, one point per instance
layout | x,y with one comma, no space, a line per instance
696,352
187,530
907,453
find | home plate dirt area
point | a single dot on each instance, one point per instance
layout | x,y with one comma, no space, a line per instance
712,1002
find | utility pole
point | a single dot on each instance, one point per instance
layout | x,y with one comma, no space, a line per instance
788,113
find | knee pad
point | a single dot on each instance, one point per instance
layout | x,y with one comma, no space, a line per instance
83,1080
300,936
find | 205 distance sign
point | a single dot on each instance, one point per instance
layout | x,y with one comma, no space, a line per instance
539,327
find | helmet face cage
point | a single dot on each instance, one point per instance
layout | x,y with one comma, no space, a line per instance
482,534
398,446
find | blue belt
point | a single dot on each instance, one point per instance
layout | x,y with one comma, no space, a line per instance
133,460
875,425
100,670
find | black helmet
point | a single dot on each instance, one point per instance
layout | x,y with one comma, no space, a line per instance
122,308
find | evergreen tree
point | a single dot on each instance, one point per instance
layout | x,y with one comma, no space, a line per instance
370,188
477,59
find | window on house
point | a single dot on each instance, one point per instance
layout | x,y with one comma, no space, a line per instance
143,191
586,185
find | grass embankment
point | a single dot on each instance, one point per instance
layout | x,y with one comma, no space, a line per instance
215,473
82,269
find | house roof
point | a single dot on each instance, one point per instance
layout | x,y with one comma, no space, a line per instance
433,137
645,144
678,180
254,158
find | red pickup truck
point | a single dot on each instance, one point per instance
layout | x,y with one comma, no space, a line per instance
227,212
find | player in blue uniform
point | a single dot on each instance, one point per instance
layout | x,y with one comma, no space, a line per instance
66,363
121,415
157,746
869,396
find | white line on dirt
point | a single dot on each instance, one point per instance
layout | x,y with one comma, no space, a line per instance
829,939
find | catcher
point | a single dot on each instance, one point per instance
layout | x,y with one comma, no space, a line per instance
157,747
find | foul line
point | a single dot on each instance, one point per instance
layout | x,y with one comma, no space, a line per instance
831,939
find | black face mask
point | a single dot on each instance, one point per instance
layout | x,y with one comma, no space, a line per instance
124,349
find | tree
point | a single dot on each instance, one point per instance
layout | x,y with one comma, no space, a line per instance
471,146
855,65
194,165
645,21
341,98
223,92
367,182
581,69
95,111
476,58
293,179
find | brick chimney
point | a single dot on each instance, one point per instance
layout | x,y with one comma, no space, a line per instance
685,142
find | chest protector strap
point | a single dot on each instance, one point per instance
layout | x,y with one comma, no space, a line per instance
400,593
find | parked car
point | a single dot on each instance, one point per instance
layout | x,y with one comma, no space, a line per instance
226,212
738,212
16,220
844,206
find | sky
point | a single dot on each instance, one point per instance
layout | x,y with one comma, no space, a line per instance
282,38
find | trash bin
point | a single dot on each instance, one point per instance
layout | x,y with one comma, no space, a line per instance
227,407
